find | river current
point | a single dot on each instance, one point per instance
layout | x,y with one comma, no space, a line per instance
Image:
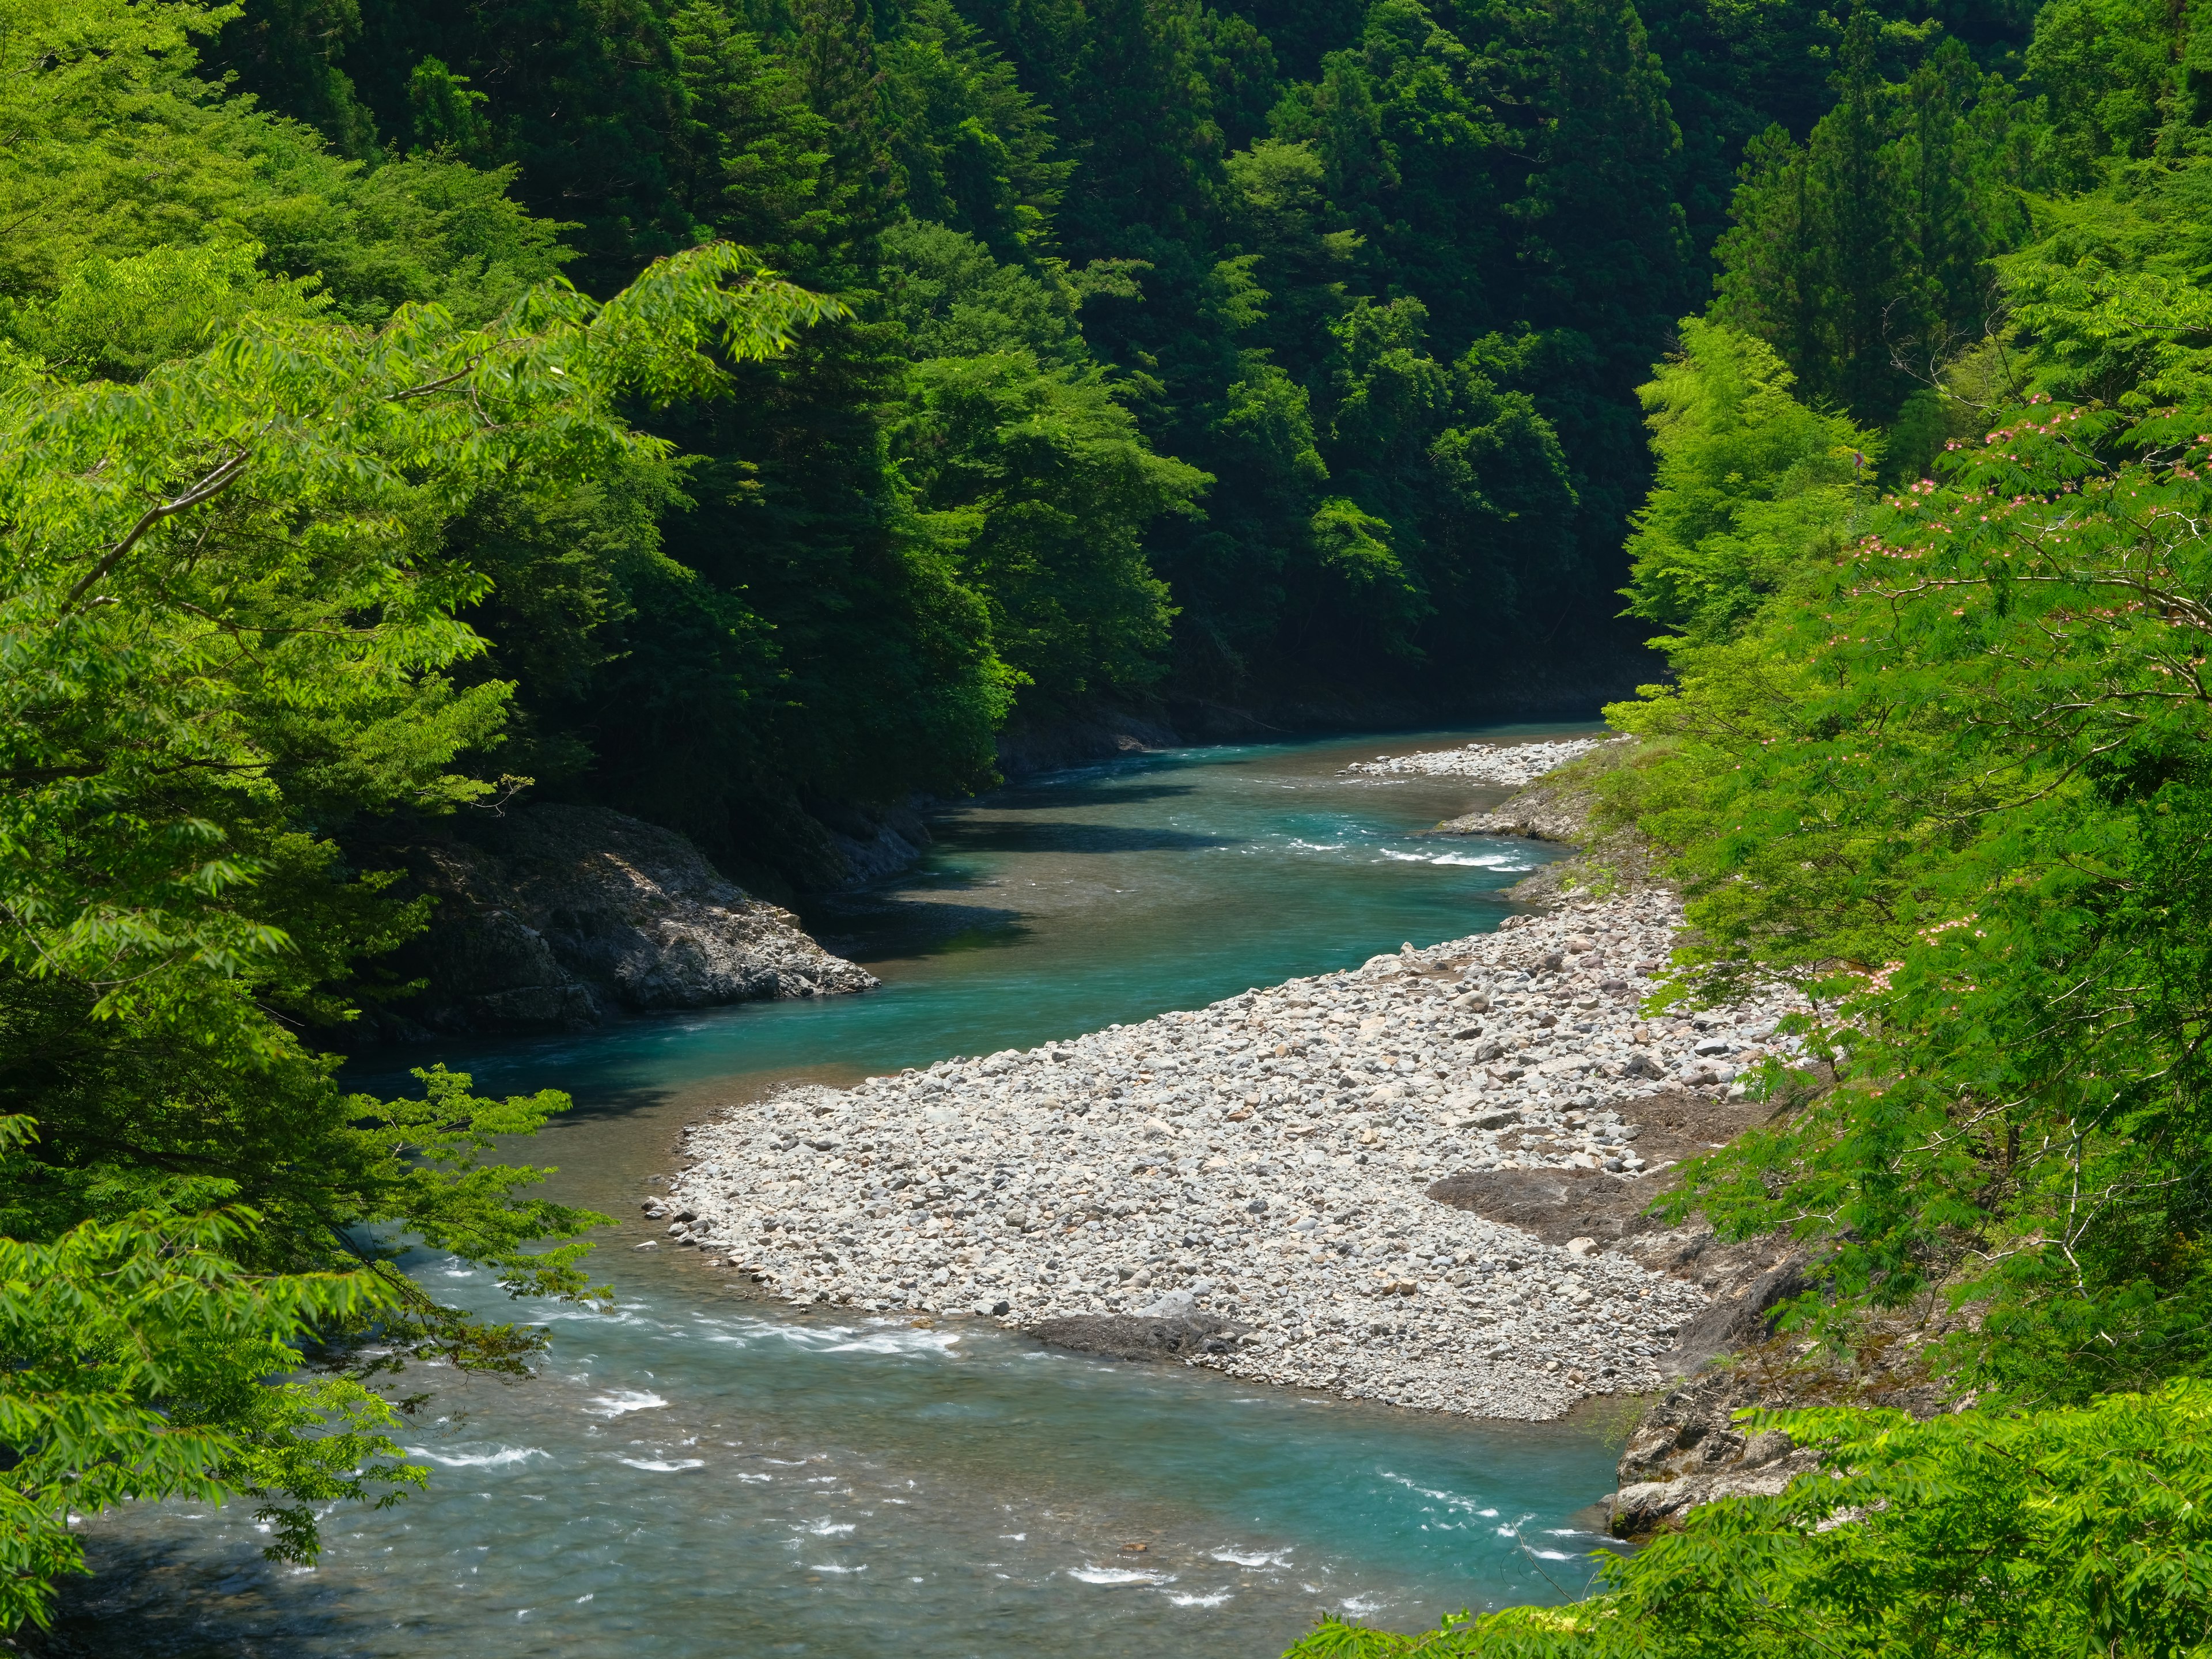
701,1474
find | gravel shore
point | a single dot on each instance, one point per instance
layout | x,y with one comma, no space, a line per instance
1260,1170
1512,763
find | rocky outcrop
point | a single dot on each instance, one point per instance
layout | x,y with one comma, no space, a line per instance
1534,814
1744,1315
868,844
1558,807
1028,747
1180,1335
556,917
1688,1449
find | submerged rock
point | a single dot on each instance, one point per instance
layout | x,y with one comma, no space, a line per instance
555,916
1139,1336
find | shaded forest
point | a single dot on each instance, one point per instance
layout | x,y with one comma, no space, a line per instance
1270,365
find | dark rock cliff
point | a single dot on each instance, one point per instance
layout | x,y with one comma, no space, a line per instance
555,917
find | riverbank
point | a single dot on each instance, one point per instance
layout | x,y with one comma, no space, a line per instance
857,1477
1272,1185
1517,764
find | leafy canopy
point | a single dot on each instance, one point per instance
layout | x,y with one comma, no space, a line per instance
227,618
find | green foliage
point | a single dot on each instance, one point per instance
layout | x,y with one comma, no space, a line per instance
1483,178
107,155
1519,172
275,493
974,151
1938,759
115,320
286,53
1863,257
139,1357
1751,486
2106,69
1355,552
1617,249
1021,457
1988,1535
1406,143
444,112
122,154
1970,823
584,99
1176,350
228,625
2115,296
1949,779
768,615
754,157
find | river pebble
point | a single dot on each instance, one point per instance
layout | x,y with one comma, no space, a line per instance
1264,1162
1512,763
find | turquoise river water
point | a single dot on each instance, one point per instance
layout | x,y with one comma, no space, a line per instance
700,1473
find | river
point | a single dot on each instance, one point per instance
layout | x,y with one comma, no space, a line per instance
700,1473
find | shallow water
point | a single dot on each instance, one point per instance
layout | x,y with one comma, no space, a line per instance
702,1473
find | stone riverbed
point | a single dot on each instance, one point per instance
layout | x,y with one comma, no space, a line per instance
1262,1165
1512,763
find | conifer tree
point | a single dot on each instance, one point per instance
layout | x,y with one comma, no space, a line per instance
1143,126
1863,256
1615,249
582,96
1853,193
972,150
835,57
289,52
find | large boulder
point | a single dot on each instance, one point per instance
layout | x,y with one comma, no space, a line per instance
556,916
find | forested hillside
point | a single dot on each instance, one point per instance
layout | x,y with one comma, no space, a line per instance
1222,362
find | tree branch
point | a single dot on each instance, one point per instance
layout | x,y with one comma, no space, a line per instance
206,489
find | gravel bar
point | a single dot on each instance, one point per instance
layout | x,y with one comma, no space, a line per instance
1261,1165
1514,763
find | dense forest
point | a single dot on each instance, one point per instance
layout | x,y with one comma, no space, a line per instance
734,414
1236,366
